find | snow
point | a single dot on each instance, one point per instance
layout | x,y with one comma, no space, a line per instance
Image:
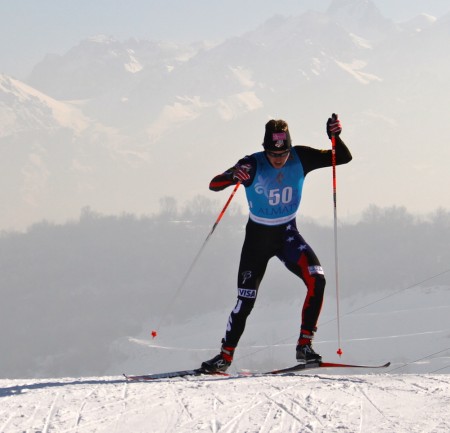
315,402
244,76
237,105
355,68
363,43
133,65
64,113
420,22
183,110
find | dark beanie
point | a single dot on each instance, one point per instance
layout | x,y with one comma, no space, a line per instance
277,135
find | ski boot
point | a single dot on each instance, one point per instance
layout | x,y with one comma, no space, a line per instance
304,351
220,362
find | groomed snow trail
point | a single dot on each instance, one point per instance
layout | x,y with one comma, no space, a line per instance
305,403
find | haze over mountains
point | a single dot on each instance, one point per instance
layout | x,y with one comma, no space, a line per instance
119,125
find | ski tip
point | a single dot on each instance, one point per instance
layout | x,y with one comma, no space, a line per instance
341,365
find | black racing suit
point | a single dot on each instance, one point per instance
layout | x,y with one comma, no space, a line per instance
262,242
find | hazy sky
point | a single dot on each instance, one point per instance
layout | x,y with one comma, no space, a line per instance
29,29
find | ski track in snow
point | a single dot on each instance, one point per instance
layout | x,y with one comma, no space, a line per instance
307,403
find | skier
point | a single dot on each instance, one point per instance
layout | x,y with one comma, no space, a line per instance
273,181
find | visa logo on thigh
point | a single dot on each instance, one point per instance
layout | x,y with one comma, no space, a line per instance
247,293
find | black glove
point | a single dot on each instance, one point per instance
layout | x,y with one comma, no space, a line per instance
333,126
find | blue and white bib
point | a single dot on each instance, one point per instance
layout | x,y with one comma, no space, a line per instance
274,195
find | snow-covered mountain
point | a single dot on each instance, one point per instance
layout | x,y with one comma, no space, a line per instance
130,106
100,64
362,18
25,109
51,153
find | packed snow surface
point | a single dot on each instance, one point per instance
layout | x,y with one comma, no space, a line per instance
314,402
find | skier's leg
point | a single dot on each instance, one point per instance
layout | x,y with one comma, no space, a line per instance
300,258
254,257
309,269
249,278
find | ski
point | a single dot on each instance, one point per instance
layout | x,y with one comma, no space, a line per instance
313,365
284,371
173,374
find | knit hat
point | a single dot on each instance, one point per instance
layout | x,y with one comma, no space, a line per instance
277,136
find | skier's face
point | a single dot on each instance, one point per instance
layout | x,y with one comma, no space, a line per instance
278,158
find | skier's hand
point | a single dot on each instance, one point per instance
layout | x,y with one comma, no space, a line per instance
241,172
333,126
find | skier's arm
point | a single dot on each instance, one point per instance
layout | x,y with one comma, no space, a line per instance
243,172
222,181
313,159
343,154
316,158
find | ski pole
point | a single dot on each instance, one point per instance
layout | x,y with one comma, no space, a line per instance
221,214
333,163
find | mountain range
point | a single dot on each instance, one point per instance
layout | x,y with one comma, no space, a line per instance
119,125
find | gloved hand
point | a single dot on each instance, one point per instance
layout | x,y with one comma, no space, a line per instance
333,126
241,172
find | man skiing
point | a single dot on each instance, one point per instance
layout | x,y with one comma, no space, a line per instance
273,181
